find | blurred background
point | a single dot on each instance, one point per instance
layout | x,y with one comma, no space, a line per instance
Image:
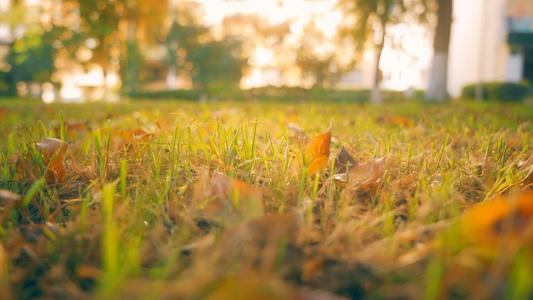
89,50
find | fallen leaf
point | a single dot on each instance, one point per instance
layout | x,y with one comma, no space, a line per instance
363,175
131,136
317,152
261,287
72,129
344,161
504,218
19,163
54,151
88,272
296,133
311,267
130,139
5,291
229,197
257,242
9,196
401,121
3,113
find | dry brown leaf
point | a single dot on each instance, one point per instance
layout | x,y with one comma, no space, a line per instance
363,175
88,272
253,287
72,129
9,196
317,151
3,113
54,151
344,161
244,200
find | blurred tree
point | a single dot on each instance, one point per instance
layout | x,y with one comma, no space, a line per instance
181,42
121,29
192,49
217,64
437,90
38,40
32,57
259,39
370,20
313,56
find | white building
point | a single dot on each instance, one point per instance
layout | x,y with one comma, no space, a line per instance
492,40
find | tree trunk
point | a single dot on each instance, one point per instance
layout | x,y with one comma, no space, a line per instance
375,95
437,89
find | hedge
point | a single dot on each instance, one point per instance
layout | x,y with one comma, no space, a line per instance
278,94
498,91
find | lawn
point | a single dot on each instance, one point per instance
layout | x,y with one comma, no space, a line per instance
177,200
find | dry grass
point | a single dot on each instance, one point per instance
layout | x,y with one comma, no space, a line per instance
146,211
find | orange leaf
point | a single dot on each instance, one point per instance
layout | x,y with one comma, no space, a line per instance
54,151
401,121
512,217
72,129
134,135
318,151
5,290
245,200
312,267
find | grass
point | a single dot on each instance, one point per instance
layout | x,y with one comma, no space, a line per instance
131,219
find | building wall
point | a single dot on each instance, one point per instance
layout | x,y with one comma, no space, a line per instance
478,51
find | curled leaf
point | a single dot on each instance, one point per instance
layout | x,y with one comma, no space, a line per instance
363,175
54,151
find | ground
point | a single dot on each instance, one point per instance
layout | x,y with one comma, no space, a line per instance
177,200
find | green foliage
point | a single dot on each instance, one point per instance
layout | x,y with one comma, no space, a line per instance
192,94
217,63
7,88
32,57
498,91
